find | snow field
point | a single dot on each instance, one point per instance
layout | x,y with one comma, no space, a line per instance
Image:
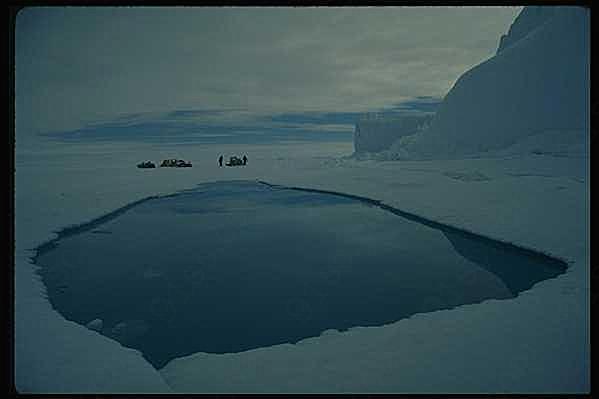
537,342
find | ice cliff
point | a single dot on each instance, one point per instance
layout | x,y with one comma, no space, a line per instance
529,19
377,134
538,82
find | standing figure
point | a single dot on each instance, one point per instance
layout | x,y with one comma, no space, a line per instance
220,161
245,159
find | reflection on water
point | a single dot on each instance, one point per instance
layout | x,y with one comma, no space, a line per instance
519,270
232,266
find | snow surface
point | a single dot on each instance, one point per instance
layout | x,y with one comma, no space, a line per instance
537,342
522,116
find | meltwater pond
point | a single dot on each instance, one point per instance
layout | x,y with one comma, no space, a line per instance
232,266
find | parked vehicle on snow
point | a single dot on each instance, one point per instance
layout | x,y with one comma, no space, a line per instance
235,161
146,165
175,163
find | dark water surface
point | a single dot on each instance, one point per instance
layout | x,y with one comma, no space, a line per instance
232,266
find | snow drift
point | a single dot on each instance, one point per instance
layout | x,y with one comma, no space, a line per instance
538,81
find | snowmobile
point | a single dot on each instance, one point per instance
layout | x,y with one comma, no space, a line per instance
234,161
146,164
175,163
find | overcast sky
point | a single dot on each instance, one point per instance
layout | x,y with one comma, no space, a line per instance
81,64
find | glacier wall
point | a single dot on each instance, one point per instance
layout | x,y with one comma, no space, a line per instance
529,19
538,81
377,134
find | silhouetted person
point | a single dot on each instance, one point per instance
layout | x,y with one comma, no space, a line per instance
245,159
220,161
